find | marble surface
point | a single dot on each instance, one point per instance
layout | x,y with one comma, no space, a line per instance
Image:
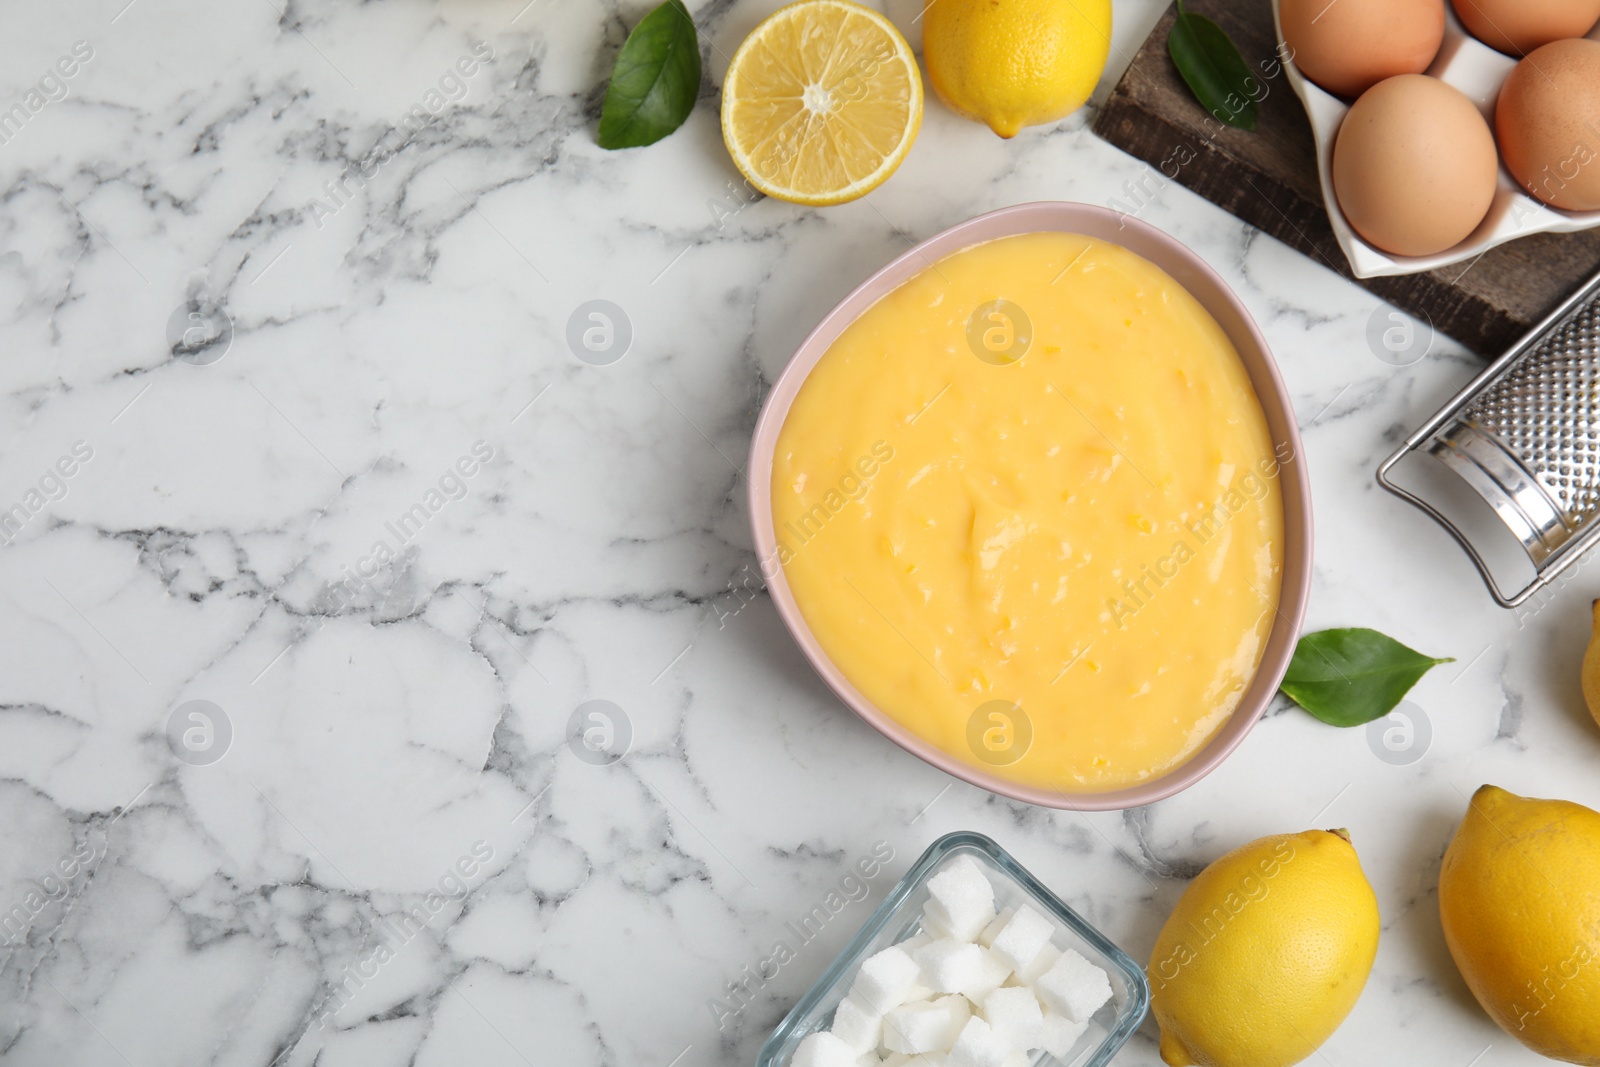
315,452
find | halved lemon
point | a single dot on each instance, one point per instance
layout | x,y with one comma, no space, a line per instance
821,103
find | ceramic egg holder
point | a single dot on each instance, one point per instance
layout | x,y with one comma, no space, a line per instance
1478,71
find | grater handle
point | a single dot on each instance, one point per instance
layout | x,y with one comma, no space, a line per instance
1516,599
1552,542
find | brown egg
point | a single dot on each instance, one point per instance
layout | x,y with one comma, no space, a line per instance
1548,120
1517,27
1414,166
1348,46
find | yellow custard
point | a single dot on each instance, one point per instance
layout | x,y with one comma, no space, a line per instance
1028,505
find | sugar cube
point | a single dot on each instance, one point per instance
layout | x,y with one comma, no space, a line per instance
1021,938
968,866
978,1046
990,932
914,942
934,923
989,975
950,966
929,1026
962,920
1015,1016
886,980
824,1050
1074,987
1060,1034
857,1025
920,991
960,1009
963,876
960,900
1042,962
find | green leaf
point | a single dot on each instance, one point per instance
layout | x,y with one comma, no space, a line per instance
655,80
1350,677
1217,74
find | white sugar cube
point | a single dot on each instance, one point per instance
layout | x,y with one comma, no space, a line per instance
978,1046
1042,962
990,974
934,923
857,1025
1021,938
962,921
960,1009
920,991
886,980
1013,1013
910,945
968,866
824,1050
927,1028
930,1026
870,1059
990,932
962,879
1074,987
950,966
1060,1034
960,900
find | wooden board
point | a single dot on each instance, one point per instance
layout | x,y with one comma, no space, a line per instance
1268,178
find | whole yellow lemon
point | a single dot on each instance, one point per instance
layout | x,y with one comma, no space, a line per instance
1265,954
1591,666
1519,897
1015,63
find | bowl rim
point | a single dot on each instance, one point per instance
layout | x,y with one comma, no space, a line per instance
1194,274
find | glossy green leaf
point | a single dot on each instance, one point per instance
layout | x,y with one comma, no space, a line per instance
1214,70
655,80
1350,677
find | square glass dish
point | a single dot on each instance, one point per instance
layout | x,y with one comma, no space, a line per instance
900,917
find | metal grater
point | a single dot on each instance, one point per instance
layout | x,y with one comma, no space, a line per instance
1525,436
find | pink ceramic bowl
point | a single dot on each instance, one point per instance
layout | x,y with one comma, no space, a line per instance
1192,273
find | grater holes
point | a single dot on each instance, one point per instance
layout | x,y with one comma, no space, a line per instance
1547,412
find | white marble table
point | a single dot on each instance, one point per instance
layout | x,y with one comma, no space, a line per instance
397,858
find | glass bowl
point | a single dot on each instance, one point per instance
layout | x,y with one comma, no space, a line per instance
900,916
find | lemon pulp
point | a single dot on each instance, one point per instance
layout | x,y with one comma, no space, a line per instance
822,102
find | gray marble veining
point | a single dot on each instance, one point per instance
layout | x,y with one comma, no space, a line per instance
289,289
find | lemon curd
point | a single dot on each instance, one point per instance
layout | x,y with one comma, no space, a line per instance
1027,503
